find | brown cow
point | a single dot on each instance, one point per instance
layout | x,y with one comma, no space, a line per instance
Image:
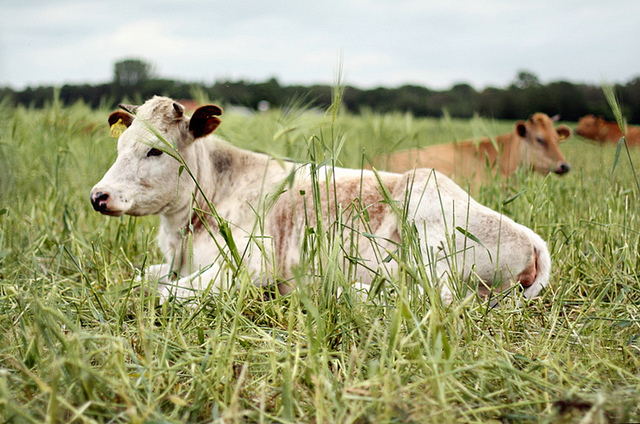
596,128
532,144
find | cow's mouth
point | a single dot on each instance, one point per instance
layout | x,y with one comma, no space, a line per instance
111,213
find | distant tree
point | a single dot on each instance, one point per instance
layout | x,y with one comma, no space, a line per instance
526,79
565,99
7,95
269,91
512,104
165,87
378,99
132,72
93,95
319,95
35,97
490,102
237,93
134,81
464,101
631,100
412,98
438,101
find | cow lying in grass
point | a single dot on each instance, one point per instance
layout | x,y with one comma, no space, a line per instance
259,210
596,128
533,144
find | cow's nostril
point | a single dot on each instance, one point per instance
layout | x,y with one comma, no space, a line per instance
99,201
563,168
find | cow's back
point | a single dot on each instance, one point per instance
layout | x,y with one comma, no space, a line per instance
633,136
464,161
349,201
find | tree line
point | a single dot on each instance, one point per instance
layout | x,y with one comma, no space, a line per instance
135,80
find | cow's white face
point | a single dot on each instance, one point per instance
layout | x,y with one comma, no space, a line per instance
541,144
144,180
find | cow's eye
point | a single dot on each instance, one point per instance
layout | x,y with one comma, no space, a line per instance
154,152
541,140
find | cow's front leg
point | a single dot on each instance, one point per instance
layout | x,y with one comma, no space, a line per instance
163,274
444,282
160,272
446,292
211,279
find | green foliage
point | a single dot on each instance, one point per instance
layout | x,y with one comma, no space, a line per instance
82,341
135,80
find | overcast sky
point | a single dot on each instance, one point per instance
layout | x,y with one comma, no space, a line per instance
435,43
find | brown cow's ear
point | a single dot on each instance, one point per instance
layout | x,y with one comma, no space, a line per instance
564,132
521,128
205,120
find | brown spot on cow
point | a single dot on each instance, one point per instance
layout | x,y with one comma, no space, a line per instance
528,276
202,221
358,198
222,162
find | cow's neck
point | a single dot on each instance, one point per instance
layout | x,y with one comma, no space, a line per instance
177,218
512,153
224,172
182,220
230,178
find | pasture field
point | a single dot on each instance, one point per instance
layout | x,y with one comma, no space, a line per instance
81,341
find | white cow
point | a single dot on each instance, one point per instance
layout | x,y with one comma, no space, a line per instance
269,207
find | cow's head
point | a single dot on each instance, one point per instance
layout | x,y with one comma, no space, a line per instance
541,143
590,126
145,179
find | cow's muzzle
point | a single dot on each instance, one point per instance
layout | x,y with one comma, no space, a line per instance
562,168
99,201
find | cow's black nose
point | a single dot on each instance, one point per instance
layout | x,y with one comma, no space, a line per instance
99,201
563,168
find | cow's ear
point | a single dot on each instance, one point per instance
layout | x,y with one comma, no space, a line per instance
521,128
118,122
178,109
205,120
564,132
120,116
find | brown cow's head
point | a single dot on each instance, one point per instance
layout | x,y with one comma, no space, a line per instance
145,178
541,150
591,127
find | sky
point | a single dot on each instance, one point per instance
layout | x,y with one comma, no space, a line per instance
369,43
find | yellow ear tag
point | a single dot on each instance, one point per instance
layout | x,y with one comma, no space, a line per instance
117,129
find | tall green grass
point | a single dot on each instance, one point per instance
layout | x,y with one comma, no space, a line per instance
82,341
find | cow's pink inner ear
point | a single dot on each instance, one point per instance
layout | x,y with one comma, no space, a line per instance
119,115
521,128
